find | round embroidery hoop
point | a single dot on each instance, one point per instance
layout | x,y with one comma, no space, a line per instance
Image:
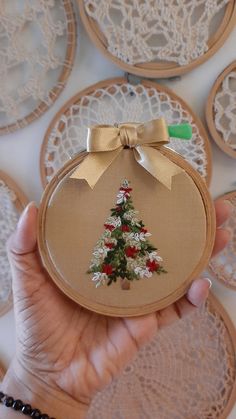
20,201
223,266
110,24
195,355
113,101
57,273
220,109
49,30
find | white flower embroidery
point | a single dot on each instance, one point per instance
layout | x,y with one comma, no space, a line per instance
143,272
100,252
122,196
154,256
114,221
137,237
99,278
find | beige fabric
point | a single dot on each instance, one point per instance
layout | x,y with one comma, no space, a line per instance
176,219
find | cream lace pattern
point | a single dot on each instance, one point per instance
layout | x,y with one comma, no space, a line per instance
8,220
151,30
225,110
187,371
116,104
33,44
224,264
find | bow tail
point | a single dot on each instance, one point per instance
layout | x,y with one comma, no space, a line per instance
94,165
157,164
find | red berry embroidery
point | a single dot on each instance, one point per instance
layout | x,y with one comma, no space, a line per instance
107,269
131,251
152,265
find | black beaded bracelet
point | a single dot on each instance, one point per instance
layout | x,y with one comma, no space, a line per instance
19,406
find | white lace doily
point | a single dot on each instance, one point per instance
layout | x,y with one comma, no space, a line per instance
156,31
225,110
109,103
37,44
12,202
187,371
224,264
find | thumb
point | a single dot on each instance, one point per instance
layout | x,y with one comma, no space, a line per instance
22,252
24,239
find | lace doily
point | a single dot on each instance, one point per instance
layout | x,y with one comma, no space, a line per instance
156,31
225,109
10,206
37,45
187,371
114,102
224,264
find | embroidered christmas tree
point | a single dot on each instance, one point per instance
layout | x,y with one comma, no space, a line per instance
124,252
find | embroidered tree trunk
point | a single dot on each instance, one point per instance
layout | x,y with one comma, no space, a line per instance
123,251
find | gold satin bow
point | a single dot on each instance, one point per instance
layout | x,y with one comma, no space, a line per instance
105,142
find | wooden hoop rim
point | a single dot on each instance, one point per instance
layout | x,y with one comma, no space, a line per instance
20,204
165,69
116,311
225,197
210,114
119,81
64,75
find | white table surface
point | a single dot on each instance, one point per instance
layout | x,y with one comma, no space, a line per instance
19,152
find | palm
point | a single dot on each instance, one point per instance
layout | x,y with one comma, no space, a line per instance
84,350
67,346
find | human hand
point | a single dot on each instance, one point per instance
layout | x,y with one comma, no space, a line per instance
65,350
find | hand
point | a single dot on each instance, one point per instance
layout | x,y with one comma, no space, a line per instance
67,349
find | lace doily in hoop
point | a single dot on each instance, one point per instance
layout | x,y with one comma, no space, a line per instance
224,264
37,46
116,101
221,110
187,371
12,202
145,35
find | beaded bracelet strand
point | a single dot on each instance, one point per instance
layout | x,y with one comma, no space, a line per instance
19,406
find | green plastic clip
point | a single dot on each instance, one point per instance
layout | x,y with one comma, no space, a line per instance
183,131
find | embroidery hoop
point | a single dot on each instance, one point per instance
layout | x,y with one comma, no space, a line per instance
20,203
110,87
219,268
210,112
55,91
101,308
164,69
230,342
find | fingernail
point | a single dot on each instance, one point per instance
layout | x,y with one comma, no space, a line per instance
25,212
209,282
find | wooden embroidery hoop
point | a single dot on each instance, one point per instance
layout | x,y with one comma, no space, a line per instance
210,114
161,69
20,203
110,85
116,311
214,271
63,77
